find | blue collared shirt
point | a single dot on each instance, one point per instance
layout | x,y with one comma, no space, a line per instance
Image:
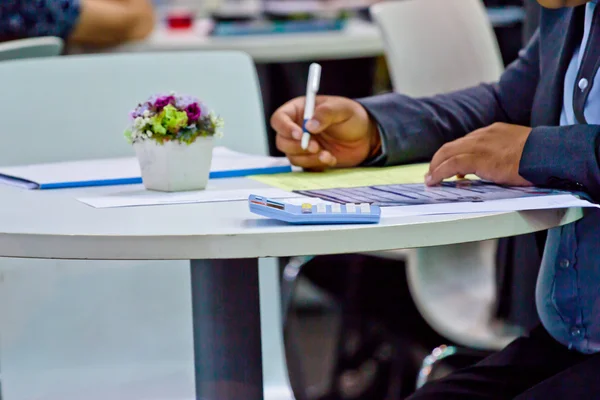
33,18
568,289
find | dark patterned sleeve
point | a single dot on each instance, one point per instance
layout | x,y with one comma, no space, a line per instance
33,18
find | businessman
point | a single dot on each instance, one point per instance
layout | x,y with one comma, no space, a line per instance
540,124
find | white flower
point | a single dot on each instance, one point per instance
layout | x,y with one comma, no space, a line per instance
146,113
149,134
139,122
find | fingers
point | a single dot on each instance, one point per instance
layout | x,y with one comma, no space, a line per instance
315,162
291,146
330,112
285,121
445,152
461,164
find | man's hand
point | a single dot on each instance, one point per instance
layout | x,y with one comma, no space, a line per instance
342,133
492,153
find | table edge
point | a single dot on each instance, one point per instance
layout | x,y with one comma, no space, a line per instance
276,244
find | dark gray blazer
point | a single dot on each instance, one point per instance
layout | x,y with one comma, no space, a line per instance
529,93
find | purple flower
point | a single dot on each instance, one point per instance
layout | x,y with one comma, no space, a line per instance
153,98
139,110
193,112
203,109
163,101
182,102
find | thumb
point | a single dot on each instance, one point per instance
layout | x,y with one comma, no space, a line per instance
328,114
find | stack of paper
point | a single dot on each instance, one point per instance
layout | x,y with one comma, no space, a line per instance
124,171
400,190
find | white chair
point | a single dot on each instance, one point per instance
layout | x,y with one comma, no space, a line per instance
31,48
436,46
73,330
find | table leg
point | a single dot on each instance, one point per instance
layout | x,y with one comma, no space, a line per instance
227,336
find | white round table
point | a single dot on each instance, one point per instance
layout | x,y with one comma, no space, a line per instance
223,242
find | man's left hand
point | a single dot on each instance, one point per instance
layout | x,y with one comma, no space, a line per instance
492,153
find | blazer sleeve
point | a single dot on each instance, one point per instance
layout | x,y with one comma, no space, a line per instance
563,157
414,129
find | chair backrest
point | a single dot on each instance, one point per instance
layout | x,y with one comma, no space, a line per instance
111,329
77,107
437,46
31,48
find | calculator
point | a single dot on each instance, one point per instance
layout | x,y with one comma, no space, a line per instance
319,214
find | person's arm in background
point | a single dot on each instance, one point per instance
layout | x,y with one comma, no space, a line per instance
83,22
110,22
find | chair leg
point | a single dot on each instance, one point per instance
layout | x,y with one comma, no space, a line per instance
439,353
455,357
289,281
294,363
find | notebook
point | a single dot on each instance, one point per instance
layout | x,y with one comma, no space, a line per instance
226,163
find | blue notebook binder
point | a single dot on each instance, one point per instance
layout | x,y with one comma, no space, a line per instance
125,171
240,173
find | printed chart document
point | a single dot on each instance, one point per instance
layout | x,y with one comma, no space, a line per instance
418,193
549,202
346,178
125,171
558,201
463,196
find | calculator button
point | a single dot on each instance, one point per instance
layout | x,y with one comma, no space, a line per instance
306,208
350,208
336,208
321,208
365,208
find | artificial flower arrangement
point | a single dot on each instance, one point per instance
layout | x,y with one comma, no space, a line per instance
169,117
173,139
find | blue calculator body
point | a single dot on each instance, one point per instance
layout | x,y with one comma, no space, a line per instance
320,214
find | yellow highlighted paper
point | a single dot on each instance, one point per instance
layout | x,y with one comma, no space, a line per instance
346,178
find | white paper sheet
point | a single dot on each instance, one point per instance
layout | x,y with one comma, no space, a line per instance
150,198
492,206
115,169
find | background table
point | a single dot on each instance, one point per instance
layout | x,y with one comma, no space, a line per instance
224,242
358,39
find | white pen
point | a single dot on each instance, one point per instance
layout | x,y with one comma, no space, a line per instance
312,87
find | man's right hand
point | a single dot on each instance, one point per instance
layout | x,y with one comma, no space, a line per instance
342,133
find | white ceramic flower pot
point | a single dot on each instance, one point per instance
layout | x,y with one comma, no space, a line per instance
174,166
